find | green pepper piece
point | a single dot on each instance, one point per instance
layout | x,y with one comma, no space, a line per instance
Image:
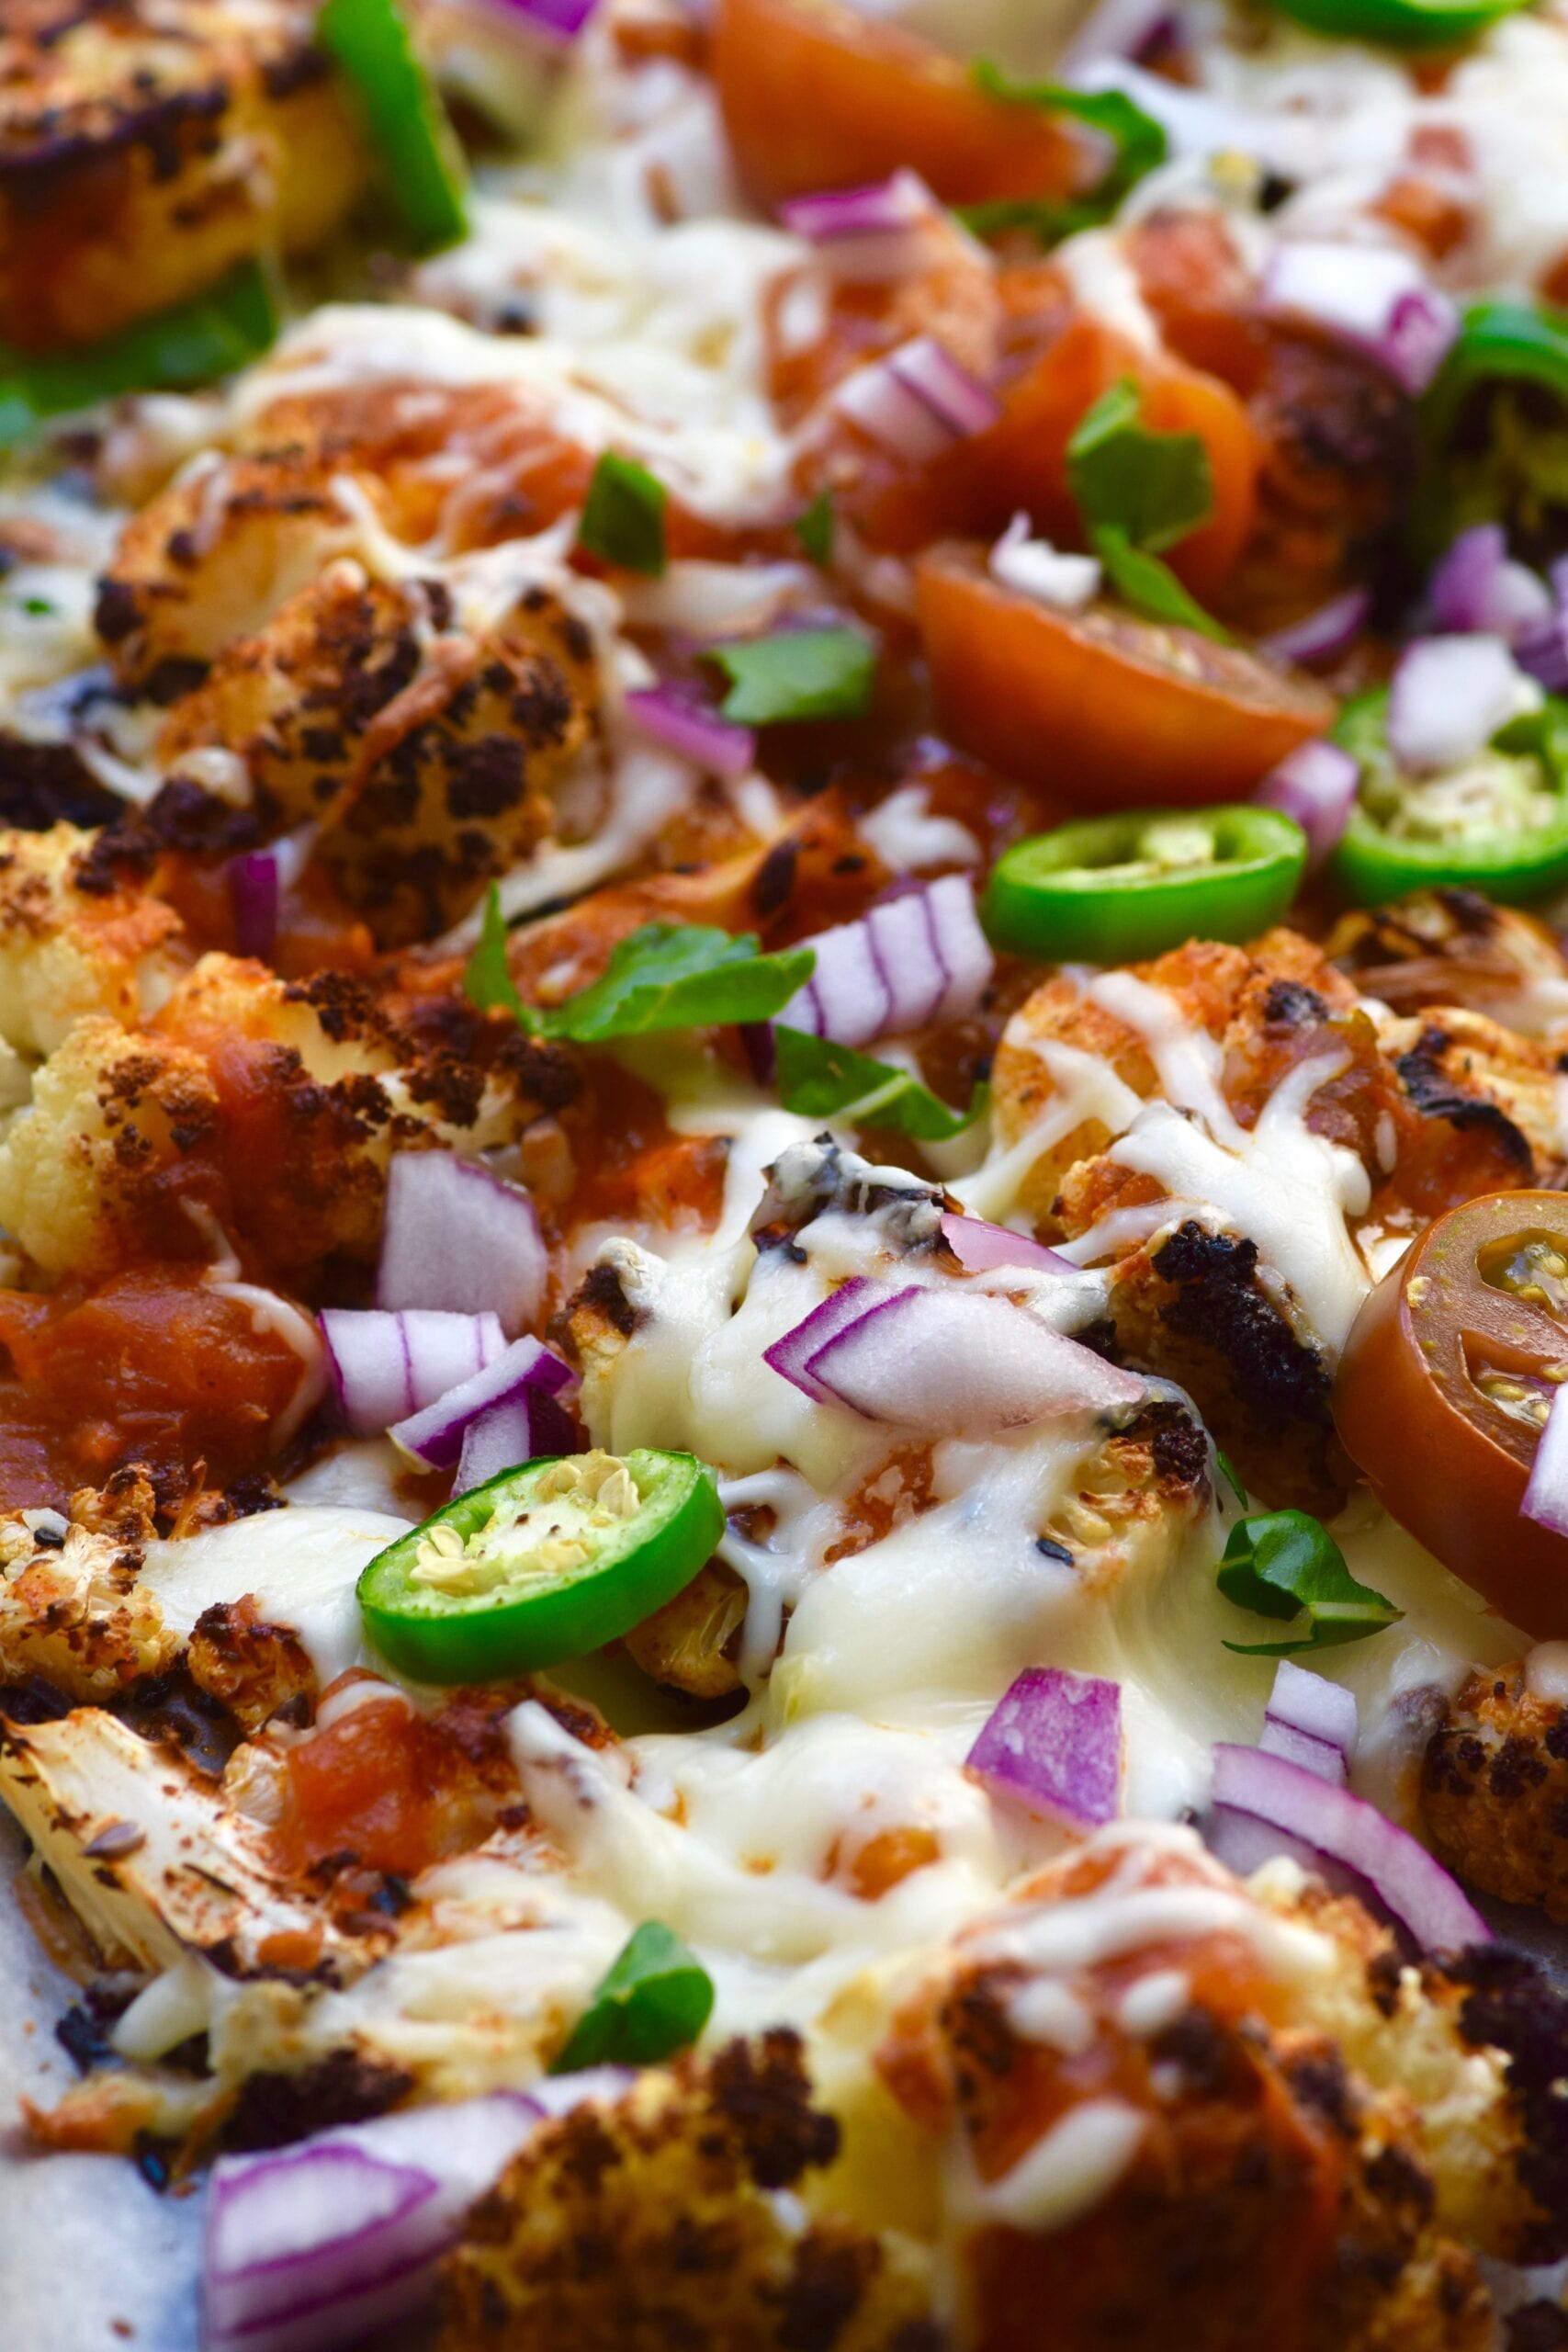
421,162
1402,24
1403,834
213,333
546,1562
1491,447
654,1999
1111,889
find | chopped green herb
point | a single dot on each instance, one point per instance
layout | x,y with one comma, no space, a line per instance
1155,487
1139,142
814,528
1286,1563
797,673
1227,1471
212,335
1149,586
655,2000
422,164
37,606
487,979
623,516
822,1080
666,976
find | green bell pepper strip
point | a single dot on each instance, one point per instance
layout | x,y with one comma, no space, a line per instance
1402,24
213,333
655,1998
1389,846
421,162
539,1565
1503,347
1113,889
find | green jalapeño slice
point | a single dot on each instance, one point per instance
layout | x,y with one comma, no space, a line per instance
542,1563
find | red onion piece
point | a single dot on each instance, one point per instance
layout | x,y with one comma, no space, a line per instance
1373,298
1546,1496
504,1436
913,959
1474,586
957,1362
917,401
1054,1738
385,1366
686,726
255,899
1116,29
435,1435
1315,784
1319,1756
1542,650
1258,1797
563,19
323,2245
1447,699
1309,1702
792,1354
457,1236
979,1247
865,235
1322,637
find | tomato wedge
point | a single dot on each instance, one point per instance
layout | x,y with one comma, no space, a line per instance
817,95
1446,1383
1098,709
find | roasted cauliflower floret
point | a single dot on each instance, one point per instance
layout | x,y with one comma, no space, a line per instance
70,1608
1455,946
75,939
1494,1789
146,149
662,2219
425,743
263,1110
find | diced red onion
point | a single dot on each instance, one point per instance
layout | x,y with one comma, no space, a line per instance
1542,650
563,19
865,235
457,1236
957,1362
385,1366
1447,699
1116,29
979,1247
913,959
1309,1702
1372,297
435,1435
1264,1804
330,2242
504,1437
917,401
258,883
1320,637
1475,586
792,1354
686,726
1546,1496
1054,1738
1315,784
1319,1756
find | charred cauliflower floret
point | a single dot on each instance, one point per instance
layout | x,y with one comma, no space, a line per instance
147,148
1455,946
265,1110
676,2217
424,742
71,1611
1494,1789
75,939
1178,2111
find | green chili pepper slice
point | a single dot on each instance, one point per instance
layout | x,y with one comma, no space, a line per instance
1500,824
1402,24
654,1999
1495,427
544,1563
1111,890
421,162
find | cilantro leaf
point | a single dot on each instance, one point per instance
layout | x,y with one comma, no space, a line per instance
821,1080
623,515
814,529
1227,1471
1286,1563
487,977
680,975
655,1999
1138,143
796,673
1156,487
1150,586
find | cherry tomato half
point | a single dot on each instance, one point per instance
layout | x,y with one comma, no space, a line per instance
1098,708
816,94
1447,1380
